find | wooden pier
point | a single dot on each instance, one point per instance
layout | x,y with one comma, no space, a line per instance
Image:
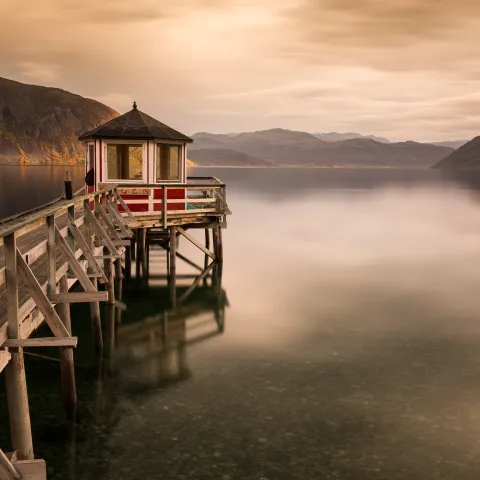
79,249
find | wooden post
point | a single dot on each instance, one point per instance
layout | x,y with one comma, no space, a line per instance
95,316
147,256
138,255
207,246
110,320
128,261
172,272
144,254
133,244
119,278
110,274
16,382
219,252
67,367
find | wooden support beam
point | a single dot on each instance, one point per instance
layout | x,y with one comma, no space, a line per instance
67,367
77,269
42,342
207,246
110,274
87,252
15,379
195,284
78,297
39,297
219,252
51,257
121,243
98,230
173,280
195,242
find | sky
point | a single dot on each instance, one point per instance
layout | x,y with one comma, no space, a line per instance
403,69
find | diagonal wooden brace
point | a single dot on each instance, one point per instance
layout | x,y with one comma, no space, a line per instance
195,284
196,243
87,252
124,229
8,466
39,297
124,205
99,231
77,269
104,215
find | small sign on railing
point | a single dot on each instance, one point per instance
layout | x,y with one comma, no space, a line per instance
130,191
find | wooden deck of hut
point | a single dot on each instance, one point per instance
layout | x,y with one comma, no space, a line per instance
77,250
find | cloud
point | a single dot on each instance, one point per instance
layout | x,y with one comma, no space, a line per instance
409,69
40,73
121,102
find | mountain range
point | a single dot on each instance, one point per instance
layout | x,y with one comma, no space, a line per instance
41,124
280,147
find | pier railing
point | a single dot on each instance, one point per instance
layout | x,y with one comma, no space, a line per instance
202,196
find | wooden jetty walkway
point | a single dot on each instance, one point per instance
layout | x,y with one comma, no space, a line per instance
78,249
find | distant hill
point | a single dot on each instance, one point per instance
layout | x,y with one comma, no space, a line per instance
467,156
41,124
451,143
338,137
279,147
223,156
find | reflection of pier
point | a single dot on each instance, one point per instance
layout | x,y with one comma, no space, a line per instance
146,353
151,351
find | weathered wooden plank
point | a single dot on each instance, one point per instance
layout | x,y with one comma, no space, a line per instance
98,229
87,252
121,243
42,342
37,251
104,216
51,258
39,297
121,224
78,297
77,269
196,243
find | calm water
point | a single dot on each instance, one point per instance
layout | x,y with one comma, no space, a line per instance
26,187
350,347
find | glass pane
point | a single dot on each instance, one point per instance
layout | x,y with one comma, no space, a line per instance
173,167
168,162
91,157
125,162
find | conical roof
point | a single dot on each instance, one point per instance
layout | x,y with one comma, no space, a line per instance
135,125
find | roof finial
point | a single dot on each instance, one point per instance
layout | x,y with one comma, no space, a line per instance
134,105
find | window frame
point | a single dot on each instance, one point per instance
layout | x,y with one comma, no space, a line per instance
181,161
143,143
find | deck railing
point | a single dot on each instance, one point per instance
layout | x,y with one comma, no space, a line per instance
203,195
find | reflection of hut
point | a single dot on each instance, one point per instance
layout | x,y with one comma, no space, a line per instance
158,342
